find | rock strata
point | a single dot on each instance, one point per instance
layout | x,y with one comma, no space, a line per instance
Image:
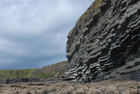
105,43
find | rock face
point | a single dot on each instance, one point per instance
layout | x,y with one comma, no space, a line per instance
105,43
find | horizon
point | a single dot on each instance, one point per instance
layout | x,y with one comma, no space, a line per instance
34,33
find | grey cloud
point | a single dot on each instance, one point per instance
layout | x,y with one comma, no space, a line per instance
33,32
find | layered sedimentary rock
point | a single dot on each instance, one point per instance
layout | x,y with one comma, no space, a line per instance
105,43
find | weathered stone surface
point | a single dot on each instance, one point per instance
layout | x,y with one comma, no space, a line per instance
107,44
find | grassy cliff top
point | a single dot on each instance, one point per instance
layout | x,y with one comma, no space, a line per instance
16,73
47,71
88,13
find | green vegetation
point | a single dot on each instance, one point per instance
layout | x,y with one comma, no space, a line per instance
47,71
92,9
30,73
19,73
42,75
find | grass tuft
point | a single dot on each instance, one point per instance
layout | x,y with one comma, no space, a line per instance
91,10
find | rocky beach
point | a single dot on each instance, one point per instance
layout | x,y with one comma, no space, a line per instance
55,86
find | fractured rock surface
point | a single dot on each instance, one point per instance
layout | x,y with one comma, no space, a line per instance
107,44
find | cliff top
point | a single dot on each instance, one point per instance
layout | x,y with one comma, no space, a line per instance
88,13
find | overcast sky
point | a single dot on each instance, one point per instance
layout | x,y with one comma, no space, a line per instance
33,33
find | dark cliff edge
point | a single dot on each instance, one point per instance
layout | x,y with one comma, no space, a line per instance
105,42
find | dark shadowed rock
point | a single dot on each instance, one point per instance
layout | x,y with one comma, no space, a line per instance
24,79
105,43
7,81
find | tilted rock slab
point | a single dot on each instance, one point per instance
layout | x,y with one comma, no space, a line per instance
105,43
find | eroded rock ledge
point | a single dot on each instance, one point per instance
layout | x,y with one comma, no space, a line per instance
105,43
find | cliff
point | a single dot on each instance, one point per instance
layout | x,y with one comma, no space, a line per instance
105,42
